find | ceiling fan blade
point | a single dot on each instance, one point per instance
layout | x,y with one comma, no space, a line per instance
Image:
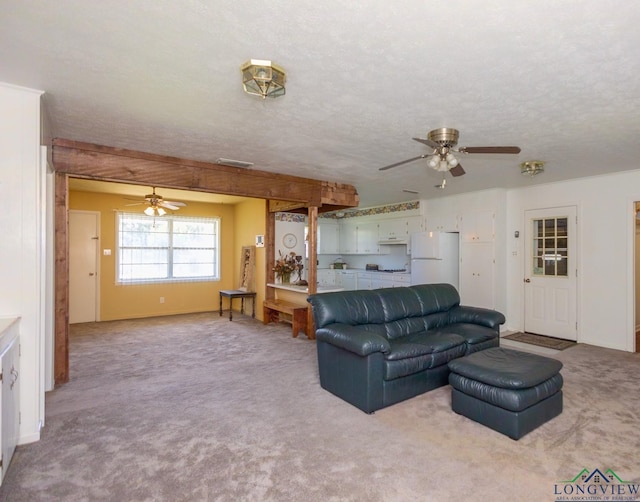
168,205
427,142
457,171
135,204
402,162
489,149
174,203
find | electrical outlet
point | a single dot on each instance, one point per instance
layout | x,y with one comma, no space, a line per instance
162,299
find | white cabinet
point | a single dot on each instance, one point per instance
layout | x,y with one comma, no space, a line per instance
9,391
476,274
348,239
328,238
477,226
401,280
349,280
394,229
445,222
381,280
364,280
399,229
367,238
326,277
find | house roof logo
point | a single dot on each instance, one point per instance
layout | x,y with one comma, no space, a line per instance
597,476
598,486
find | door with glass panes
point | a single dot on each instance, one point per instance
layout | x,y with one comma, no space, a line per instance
550,283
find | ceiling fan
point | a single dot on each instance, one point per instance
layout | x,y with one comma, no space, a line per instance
157,204
442,158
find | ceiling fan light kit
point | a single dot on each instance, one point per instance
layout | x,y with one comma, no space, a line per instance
262,78
532,167
154,211
443,142
157,205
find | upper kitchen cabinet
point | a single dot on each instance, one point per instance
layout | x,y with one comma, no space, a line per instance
328,237
477,226
399,229
443,222
348,239
367,238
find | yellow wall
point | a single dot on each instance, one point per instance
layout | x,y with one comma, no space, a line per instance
251,221
143,300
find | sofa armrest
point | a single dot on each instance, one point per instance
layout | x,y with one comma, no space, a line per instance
353,339
476,315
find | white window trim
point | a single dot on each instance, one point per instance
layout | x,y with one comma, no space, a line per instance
168,280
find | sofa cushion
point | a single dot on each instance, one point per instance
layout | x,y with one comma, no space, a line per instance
414,353
436,297
506,368
472,333
509,399
347,307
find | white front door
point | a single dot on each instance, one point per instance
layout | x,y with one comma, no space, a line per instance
551,272
83,265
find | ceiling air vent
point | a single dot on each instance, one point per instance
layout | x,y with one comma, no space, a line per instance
234,163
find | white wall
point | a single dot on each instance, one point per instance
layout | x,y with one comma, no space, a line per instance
606,235
21,252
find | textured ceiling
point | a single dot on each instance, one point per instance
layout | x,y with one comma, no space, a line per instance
559,79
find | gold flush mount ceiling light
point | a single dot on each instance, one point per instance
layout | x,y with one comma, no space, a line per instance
263,78
532,167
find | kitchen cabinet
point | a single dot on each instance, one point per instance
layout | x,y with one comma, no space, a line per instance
9,391
326,277
348,280
445,222
382,280
364,280
476,274
328,238
367,238
401,280
348,239
477,226
399,229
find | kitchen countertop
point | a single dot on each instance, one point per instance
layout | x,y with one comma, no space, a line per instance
305,289
406,272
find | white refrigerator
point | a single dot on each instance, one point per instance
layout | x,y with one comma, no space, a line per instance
435,258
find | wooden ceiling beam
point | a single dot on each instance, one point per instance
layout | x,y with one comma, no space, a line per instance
86,160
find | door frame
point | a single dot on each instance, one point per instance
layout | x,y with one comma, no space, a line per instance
98,217
525,263
632,287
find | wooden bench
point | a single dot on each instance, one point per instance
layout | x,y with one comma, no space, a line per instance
298,313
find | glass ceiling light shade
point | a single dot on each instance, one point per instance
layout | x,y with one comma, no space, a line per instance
532,167
263,78
442,160
154,211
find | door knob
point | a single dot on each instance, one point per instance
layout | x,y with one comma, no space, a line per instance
91,274
527,280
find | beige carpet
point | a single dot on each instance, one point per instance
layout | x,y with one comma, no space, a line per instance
196,407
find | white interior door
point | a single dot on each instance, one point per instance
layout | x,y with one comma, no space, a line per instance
83,265
550,282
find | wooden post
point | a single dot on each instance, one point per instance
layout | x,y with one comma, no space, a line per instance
61,280
312,276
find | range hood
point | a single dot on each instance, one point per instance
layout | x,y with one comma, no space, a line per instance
388,242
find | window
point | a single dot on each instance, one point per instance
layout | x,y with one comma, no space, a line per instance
550,253
167,249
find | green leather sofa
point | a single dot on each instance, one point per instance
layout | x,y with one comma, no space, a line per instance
377,348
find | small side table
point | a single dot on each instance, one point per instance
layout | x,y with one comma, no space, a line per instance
238,293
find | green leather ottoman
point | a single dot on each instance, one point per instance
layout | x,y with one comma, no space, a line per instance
510,391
